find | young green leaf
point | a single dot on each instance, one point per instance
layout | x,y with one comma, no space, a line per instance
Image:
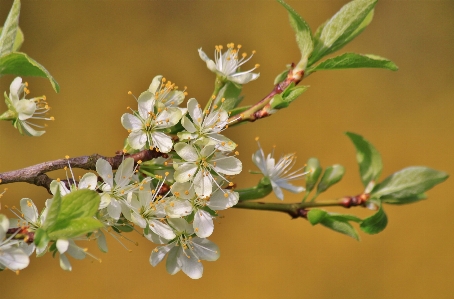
302,31
294,93
281,77
375,223
20,64
9,32
231,93
353,60
19,39
315,170
314,216
332,175
404,200
54,211
342,28
368,158
408,182
73,228
342,227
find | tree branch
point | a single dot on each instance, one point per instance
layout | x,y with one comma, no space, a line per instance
36,174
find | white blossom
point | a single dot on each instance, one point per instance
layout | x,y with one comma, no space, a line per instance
227,65
197,166
279,173
22,111
146,125
205,127
11,255
185,252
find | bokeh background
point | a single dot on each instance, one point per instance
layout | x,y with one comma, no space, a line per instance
99,50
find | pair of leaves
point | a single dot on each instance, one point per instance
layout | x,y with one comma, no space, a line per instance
334,34
332,175
18,63
341,222
70,216
284,99
404,186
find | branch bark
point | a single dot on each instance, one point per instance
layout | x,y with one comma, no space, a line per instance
36,174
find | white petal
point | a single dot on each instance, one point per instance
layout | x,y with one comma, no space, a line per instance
29,210
195,112
176,208
14,258
124,172
205,249
101,241
290,187
162,141
75,251
25,108
190,264
186,152
168,118
64,263
243,78
114,209
4,226
28,130
181,225
188,125
138,220
228,165
207,151
277,190
104,169
202,184
88,181
155,84
156,238
162,229
158,254
137,139
259,160
15,88
203,55
62,245
146,104
185,172
172,264
203,224
181,189
218,201
221,142
131,122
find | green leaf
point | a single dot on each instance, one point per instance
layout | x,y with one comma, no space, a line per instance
41,238
231,93
408,182
78,204
342,227
375,223
315,216
19,39
346,24
404,200
9,32
262,189
302,30
368,158
353,60
239,110
331,176
315,170
277,102
345,217
20,64
294,93
54,211
282,76
72,228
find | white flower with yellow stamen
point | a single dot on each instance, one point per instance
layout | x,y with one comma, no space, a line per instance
226,65
279,173
22,111
185,252
148,123
115,190
166,93
146,208
206,126
11,256
197,166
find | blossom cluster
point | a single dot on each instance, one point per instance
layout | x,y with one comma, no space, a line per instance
173,198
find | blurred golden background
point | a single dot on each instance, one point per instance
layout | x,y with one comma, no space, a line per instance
99,50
